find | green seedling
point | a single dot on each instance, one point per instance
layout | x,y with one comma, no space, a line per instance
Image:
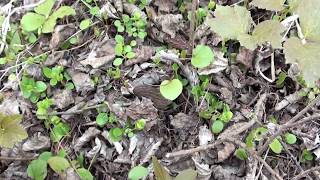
123,51
55,74
32,89
135,25
43,107
42,19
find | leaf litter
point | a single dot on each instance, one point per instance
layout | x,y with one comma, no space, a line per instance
177,102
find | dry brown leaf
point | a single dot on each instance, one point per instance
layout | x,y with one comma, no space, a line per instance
226,152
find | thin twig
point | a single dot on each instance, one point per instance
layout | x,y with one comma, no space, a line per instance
6,158
291,123
77,111
219,141
306,172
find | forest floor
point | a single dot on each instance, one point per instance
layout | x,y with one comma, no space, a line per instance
158,89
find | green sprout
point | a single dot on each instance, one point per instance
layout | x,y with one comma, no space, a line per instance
135,26
32,89
123,51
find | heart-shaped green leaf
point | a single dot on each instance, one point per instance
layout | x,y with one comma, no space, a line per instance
171,89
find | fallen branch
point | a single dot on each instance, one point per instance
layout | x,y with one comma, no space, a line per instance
219,141
292,123
306,172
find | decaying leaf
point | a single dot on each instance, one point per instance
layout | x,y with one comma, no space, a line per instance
170,23
271,5
166,5
219,64
103,53
230,22
11,131
306,55
153,94
226,152
189,174
86,137
159,171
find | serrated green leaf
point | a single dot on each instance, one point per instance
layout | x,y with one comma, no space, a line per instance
202,56
276,146
50,23
230,22
37,169
45,8
171,89
58,164
307,56
309,12
11,131
266,31
271,5
137,173
32,21
269,31
159,171
189,174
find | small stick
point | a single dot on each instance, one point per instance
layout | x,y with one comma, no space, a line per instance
291,123
305,173
77,111
7,158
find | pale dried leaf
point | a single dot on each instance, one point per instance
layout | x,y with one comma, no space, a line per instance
271,5
205,135
230,22
309,12
170,23
103,53
306,55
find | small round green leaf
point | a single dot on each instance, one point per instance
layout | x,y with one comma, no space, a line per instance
217,126
58,164
241,154
40,86
202,56
115,134
130,55
84,174
85,24
117,23
290,138
32,21
276,146
171,89
102,119
117,61
137,173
